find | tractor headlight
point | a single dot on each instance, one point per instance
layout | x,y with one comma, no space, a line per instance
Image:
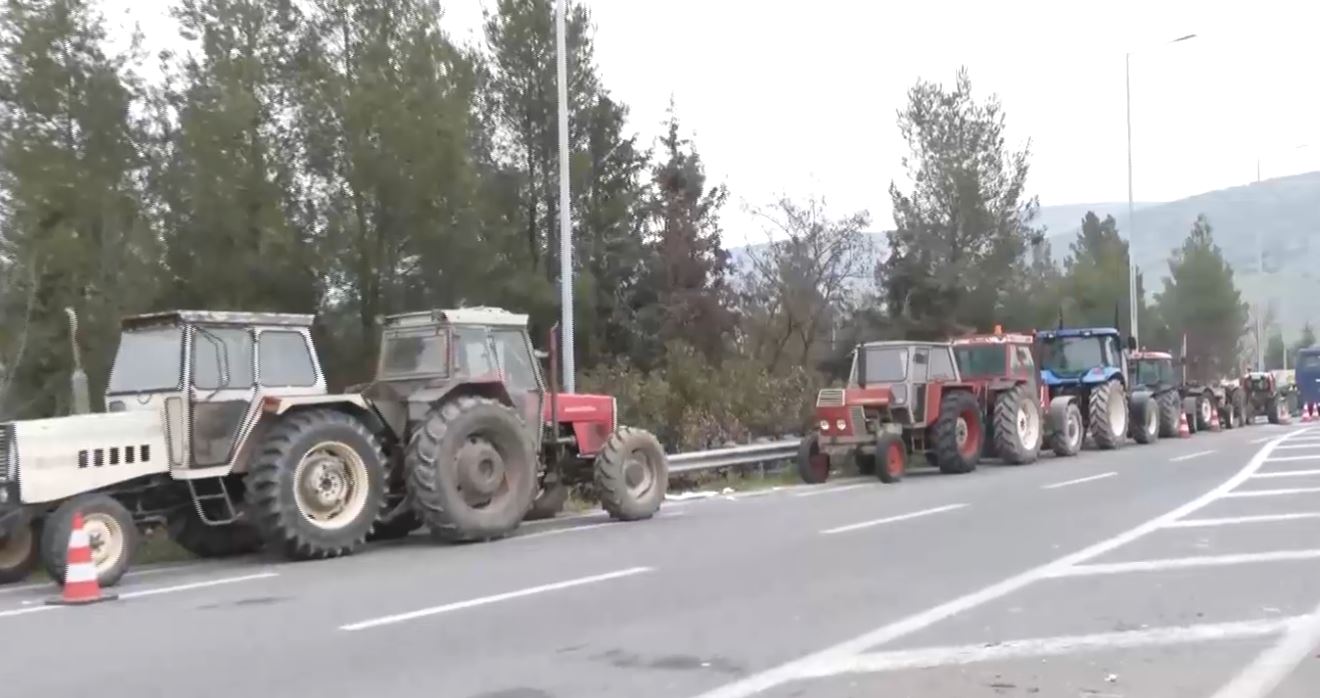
900,394
840,424
824,425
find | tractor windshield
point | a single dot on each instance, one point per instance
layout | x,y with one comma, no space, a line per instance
414,352
1152,372
883,365
1075,355
148,361
978,361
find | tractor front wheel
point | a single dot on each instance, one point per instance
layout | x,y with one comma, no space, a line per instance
890,458
813,464
958,434
1169,411
1107,413
631,475
1205,409
1067,432
1145,419
111,534
1017,426
1272,411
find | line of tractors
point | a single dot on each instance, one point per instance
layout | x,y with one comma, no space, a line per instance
1011,396
219,428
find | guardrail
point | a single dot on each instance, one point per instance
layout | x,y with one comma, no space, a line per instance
750,454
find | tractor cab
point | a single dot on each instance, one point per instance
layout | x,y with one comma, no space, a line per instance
1080,356
890,382
1152,369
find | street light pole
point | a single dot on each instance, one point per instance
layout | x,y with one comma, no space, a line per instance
565,223
1132,225
1260,266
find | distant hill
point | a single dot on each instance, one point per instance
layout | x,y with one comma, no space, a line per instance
1286,212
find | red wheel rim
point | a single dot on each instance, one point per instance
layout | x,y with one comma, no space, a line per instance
971,443
820,464
894,459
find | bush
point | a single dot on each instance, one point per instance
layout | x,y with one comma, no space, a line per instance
690,404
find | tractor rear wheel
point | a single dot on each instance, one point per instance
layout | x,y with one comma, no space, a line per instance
958,434
1017,426
813,464
1272,411
1169,410
631,474
1108,415
318,484
471,470
1205,409
188,530
1066,439
1145,419
18,553
890,458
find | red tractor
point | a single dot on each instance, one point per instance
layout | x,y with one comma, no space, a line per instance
902,398
1002,371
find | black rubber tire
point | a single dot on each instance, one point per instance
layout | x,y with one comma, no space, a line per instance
1272,410
1097,414
1239,403
271,503
630,445
810,460
865,463
19,552
1169,411
58,525
944,433
548,503
401,526
433,481
1202,422
204,540
891,458
1008,442
1060,444
1145,419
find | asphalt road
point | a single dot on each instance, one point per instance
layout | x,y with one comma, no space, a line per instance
1186,568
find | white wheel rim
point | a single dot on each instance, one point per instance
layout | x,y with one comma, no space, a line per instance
1117,416
106,538
330,485
1205,411
15,548
1074,429
960,432
1152,422
1028,426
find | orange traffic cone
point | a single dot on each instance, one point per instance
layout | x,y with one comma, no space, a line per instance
80,583
1184,431
1214,421
1306,413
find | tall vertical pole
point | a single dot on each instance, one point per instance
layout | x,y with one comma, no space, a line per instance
565,224
1132,224
1260,306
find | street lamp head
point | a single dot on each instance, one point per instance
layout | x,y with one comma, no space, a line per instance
1183,38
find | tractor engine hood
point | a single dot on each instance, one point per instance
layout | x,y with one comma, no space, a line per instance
59,457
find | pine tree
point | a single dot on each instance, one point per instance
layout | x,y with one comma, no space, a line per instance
1201,301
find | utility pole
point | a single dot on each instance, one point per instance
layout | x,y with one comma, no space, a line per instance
565,221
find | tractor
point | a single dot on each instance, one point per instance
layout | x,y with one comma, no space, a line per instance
902,398
1200,401
219,427
1262,396
1002,370
1089,364
1152,373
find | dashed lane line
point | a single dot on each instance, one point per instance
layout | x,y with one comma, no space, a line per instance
1078,481
891,519
832,490
1189,456
154,591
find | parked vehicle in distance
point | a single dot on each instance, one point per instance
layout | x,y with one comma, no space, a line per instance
1090,365
902,398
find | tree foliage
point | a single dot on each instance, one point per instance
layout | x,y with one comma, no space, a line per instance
1200,301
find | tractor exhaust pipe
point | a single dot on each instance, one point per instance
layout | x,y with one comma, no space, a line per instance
82,402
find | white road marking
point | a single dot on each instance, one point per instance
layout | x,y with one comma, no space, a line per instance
1273,665
588,527
830,656
931,657
832,490
1284,459
1272,493
1079,480
1177,563
1190,456
485,600
891,519
151,592
1288,473
1301,444
161,569
1262,439
1230,520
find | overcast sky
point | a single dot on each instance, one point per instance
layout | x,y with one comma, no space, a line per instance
799,98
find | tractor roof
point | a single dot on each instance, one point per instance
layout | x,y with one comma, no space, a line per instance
459,316
1010,338
1139,355
218,317
905,343
1079,332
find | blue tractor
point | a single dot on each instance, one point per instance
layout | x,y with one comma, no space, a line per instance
1090,366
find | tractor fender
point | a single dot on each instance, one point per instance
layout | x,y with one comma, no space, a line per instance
1139,398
